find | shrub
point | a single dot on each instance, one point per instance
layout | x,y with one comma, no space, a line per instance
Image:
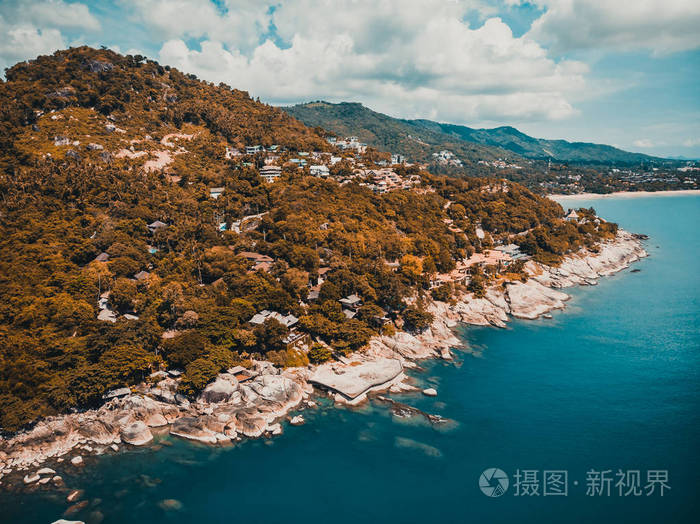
319,353
197,375
417,319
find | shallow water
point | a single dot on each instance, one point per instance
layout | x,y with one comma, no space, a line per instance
612,382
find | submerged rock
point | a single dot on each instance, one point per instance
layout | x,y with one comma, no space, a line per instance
170,505
74,495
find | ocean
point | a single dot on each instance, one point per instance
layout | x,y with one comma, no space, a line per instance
581,415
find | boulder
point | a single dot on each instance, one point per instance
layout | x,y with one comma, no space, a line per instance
297,421
430,392
77,461
250,423
357,379
220,390
531,299
46,471
136,433
201,429
30,479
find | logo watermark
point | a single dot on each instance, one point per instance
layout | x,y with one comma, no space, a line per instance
494,482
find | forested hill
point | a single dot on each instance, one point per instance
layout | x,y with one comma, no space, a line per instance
138,233
138,96
419,138
417,142
559,150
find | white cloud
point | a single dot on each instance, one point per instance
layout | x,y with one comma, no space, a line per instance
643,142
692,142
238,23
26,41
418,62
659,26
30,29
49,14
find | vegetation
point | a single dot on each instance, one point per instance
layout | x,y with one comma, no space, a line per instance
554,166
191,308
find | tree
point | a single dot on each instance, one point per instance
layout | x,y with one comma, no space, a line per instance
411,267
183,349
198,374
270,335
319,353
122,365
417,319
123,294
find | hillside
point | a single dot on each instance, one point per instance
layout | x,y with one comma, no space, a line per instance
405,136
134,239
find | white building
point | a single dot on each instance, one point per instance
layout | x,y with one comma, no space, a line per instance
270,173
319,170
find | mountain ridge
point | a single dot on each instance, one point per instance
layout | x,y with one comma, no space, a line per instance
507,140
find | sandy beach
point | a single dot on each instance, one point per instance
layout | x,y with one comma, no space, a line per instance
624,194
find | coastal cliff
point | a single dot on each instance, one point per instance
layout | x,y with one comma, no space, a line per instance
233,407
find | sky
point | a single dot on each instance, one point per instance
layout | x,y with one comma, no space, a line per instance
619,72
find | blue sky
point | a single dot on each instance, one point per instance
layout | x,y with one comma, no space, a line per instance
624,73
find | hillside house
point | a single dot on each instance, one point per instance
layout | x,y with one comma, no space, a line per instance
572,215
215,192
270,173
319,170
352,302
260,262
156,226
251,150
286,320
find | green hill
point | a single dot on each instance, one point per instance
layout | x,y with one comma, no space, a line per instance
408,137
419,138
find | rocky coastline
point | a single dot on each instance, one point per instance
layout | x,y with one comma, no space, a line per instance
233,407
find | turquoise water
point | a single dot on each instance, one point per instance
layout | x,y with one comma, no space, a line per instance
612,382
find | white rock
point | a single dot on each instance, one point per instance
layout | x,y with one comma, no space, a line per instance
76,461
357,379
136,433
430,392
46,471
29,479
297,421
220,390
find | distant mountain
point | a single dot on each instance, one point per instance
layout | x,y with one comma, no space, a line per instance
412,138
402,136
